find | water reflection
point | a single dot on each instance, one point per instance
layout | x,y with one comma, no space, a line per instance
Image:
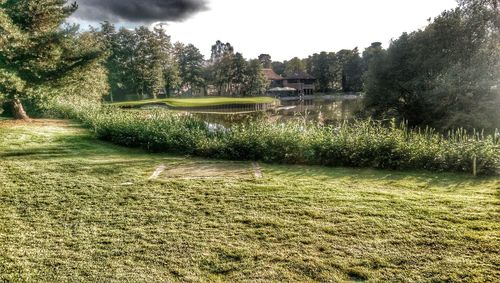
325,110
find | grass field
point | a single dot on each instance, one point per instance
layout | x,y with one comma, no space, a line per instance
73,208
196,102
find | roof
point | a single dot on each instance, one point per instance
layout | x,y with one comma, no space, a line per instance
271,75
299,76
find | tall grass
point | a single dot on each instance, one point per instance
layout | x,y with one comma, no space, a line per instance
354,144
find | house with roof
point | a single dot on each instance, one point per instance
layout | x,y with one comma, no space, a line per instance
301,81
274,79
297,83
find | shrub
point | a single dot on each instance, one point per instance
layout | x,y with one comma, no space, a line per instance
356,144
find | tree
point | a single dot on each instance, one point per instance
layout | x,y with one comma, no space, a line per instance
348,68
278,67
36,54
149,63
446,75
265,60
219,50
294,65
255,81
238,77
171,76
319,65
121,62
190,62
370,53
140,61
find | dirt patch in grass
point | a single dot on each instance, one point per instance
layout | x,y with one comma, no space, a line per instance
189,169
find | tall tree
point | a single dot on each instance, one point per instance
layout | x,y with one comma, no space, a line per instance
220,49
278,67
370,53
190,62
265,60
255,82
349,69
36,53
319,65
295,65
171,77
446,75
149,63
239,69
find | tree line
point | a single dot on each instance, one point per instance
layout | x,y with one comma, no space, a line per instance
340,71
145,63
446,75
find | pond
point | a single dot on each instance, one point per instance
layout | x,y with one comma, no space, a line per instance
324,110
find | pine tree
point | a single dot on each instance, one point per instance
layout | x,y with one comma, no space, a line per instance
36,51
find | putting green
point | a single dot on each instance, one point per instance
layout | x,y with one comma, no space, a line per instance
196,102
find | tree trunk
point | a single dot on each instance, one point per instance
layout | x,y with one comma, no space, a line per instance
18,110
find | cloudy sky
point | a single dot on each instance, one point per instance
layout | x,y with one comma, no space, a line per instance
282,28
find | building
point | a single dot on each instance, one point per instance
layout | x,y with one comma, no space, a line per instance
302,82
274,79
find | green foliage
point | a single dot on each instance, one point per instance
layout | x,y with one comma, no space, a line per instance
358,144
342,70
190,62
265,60
231,74
40,57
320,66
141,62
278,67
254,81
445,76
295,65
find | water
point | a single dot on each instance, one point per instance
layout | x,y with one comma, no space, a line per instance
324,110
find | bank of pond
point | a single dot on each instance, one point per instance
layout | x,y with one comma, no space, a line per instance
294,139
227,111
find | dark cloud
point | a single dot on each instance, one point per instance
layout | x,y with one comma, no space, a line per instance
140,11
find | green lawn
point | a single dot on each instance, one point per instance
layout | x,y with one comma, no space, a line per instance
73,208
196,102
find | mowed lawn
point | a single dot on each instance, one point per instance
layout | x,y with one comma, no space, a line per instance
76,209
197,102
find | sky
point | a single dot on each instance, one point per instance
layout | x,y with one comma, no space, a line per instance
282,28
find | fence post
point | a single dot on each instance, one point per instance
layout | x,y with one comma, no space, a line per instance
474,166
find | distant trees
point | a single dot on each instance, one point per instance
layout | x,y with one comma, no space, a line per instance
144,61
231,74
190,62
295,65
342,70
321,67
255,83
446,75
350,70
265,60
220,50
40,58
140,62
278,67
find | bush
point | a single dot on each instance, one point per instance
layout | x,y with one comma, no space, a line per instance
357,144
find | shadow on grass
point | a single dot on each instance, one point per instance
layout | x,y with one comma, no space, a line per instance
440,179
71,141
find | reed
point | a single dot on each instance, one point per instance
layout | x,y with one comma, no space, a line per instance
355,144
